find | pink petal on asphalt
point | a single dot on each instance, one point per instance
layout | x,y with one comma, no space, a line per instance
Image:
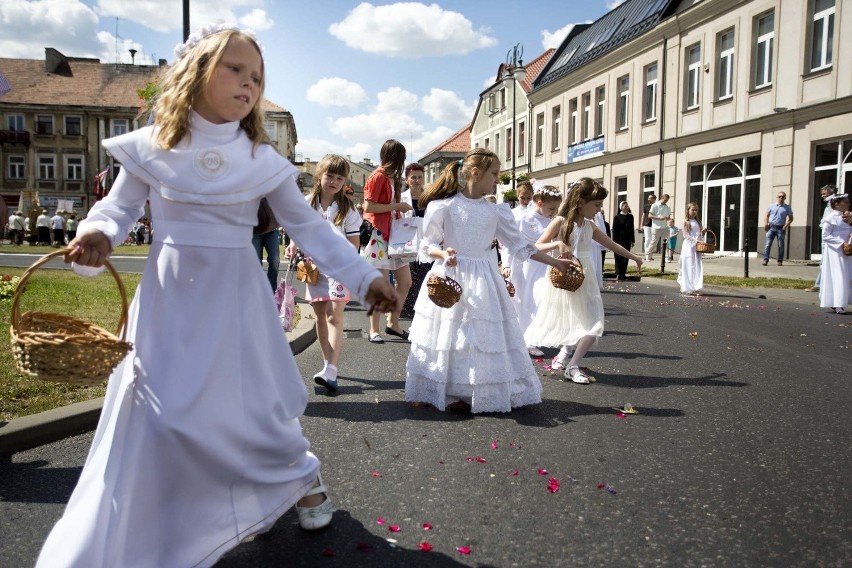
427,527
542,472
463,549
381,521
394,528
424,546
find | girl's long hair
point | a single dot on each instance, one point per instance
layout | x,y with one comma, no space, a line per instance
392,156
335,165
455,173
578,194
697,211
187,79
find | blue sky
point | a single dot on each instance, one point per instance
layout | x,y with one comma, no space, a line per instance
352,74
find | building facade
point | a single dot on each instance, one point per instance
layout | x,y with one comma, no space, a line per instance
453,148
55,116
717,102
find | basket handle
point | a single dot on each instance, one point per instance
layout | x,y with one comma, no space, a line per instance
16,312
714,236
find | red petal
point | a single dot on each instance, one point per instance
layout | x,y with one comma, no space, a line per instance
427,527
494,445
542,472
601,486
621,415
553,488
381,521
470,459
394,528
514,473
328,552
425,546
553,481
463,549
376,474
481,460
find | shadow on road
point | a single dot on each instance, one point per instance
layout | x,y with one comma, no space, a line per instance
32,482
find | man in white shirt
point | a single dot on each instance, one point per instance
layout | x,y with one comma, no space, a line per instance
659,214
58,224
16,228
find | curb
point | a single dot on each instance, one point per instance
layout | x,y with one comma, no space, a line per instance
50,426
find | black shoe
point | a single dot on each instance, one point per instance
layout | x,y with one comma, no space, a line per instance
330,385
765,262
400,334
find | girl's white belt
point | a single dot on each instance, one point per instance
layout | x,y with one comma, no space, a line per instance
202,234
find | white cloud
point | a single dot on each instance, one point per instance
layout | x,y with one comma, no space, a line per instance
611,4
29,26
489,81
167,15
427,141
409,30
446,106
257,20
554,39
397,100
375,126
336,91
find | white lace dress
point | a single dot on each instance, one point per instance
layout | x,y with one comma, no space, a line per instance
563,318
691,274
473,351
526,273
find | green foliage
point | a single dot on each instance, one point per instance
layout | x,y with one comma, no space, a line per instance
510,195
523,177
505,179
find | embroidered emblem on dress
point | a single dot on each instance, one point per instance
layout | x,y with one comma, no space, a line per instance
210,163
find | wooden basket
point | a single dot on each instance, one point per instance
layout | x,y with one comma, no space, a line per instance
847,248
705,247
54,347
510,288
570,280
443,291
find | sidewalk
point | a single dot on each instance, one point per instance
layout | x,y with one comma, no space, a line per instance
45,427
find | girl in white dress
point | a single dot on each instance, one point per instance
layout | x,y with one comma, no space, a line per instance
574,319
471,355
691,273
328,297
836,268
199,443
526,274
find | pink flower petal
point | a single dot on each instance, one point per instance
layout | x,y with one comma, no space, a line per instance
546,367
394,528
381,521
424,546
514,473
376,474
470,459
494,445
542,472
553,481
620,415
427,527
481,460
553,488
463,550
539,360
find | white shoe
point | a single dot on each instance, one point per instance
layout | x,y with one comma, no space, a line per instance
313,518
535,351
576,375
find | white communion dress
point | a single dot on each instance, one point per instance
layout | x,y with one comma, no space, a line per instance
526,273
836,270
691,274
199,443
473,351
563,317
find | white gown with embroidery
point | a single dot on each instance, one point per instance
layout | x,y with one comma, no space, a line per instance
473,351
691,273
199,443
526,273
836,269
563,317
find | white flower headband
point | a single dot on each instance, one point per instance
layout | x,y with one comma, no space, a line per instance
182,49
550,191
836,197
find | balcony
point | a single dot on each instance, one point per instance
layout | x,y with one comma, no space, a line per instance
15,137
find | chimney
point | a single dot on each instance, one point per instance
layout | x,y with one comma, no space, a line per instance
56,63
162,63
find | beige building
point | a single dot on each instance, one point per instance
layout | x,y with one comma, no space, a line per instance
58,111
453,148
718,102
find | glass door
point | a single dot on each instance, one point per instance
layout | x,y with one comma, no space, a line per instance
723,214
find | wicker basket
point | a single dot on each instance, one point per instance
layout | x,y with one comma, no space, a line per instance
569,280
705,247
510,288
847,248
444,291
61,348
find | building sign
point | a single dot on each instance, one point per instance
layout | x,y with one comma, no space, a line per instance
52,202
586,149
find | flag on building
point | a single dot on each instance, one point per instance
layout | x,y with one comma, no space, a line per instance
100,189
5,87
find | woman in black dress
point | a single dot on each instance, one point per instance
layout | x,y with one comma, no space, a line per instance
624,233
414,180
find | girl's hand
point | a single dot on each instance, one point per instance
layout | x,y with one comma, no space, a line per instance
290,251
89,249
506,272
382,297
403,207
450,257
638,261
563,265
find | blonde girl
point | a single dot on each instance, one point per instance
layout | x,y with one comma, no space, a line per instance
383,204
574,319
470,356
691,273
199,444
328,297
527,275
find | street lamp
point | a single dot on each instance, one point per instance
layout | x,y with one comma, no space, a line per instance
514,72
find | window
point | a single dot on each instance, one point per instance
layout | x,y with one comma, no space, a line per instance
74,168
587,115
509,153
600,116
649,109
693,76
46,167
765,28
496,142
119,127
16,167
623,113
522,139
620,189
487,143
15,122
539,133
503,98
572,121
726,66
555,118
44,124
73,126
648,179
822,34
271,129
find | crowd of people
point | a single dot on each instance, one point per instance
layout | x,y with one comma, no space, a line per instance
211,394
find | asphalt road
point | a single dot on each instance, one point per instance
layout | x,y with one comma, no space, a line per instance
739,455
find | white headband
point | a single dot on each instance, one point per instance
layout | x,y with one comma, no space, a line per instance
182,49
550,192
836,197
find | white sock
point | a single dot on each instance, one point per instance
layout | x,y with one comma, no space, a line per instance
330,371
